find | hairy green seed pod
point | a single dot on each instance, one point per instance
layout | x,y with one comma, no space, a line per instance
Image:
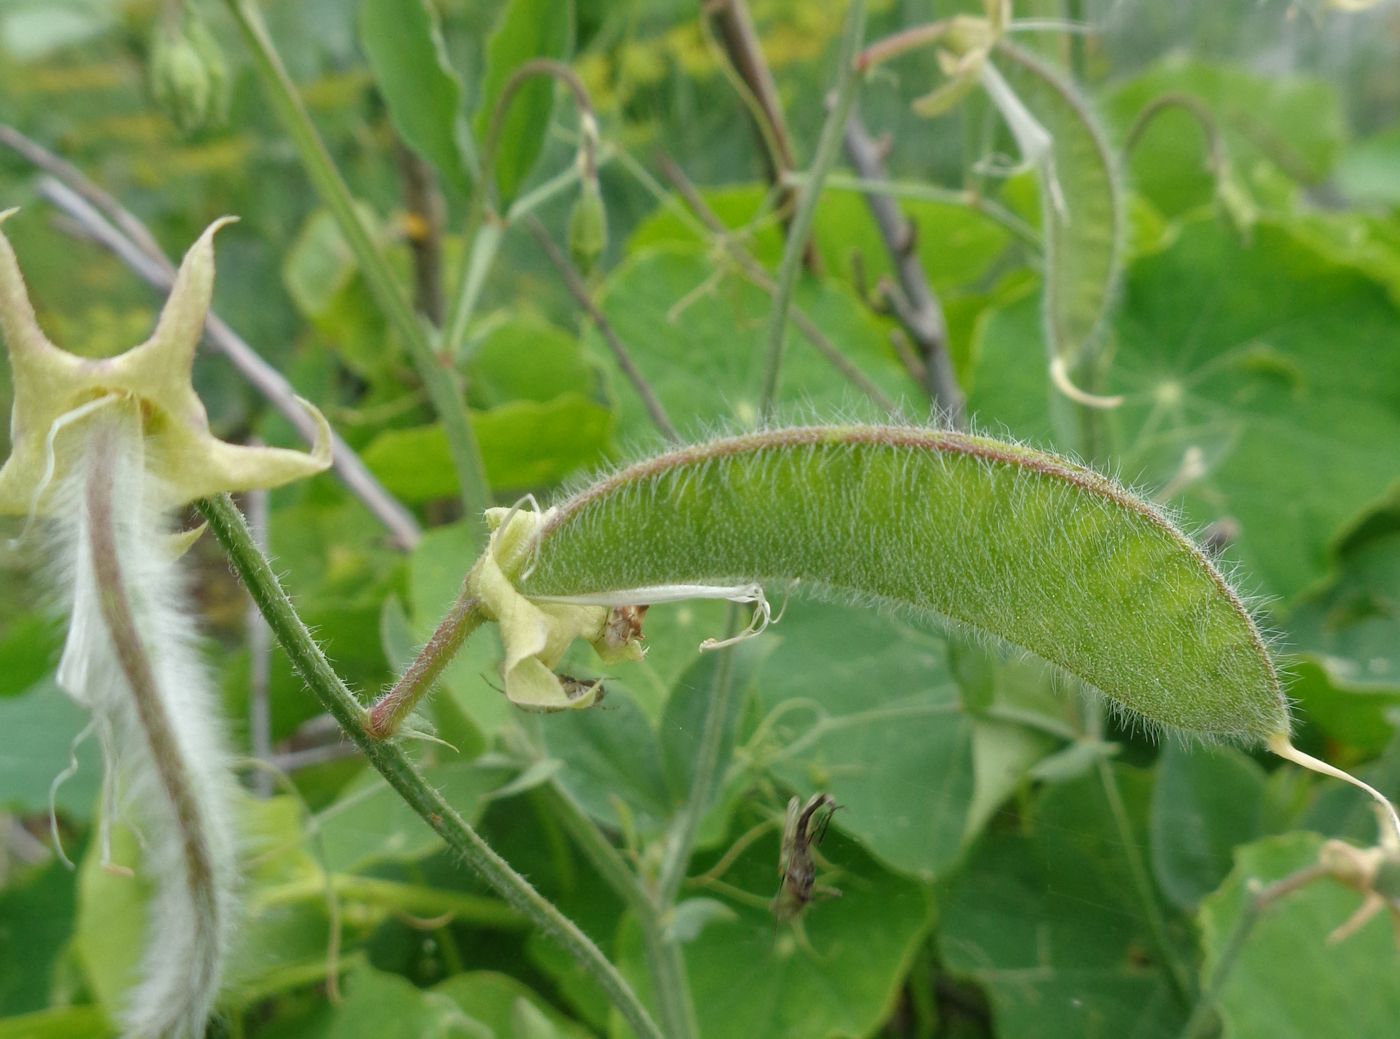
588,227
1019,545
1082,204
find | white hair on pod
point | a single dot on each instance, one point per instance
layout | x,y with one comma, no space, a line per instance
131,658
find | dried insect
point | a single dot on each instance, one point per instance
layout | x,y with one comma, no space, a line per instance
577,688
804,829
623,626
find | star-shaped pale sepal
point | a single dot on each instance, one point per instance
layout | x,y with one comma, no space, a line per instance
51,384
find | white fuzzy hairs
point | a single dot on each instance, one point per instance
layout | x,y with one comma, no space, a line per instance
131,659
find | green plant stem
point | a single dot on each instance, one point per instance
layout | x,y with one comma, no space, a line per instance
438,378
418,899
391,762
828,147
665,963
486,238
484,228
702,781
1255,906
486,246
1177,973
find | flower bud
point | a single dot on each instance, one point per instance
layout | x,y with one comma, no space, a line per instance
588,227
189,79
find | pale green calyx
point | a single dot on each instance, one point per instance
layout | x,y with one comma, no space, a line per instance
536,634
54,390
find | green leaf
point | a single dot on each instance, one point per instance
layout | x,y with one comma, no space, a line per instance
370,823
1369,242
492,999
1353,625
696,336
882,731
1260,381
527,29
527,358
27,651
379,1004
36,921
686,710
956,244
50,722
1288,981
1025,547
403,42
281,943
111,920
1285,122
318,266
1204,803
612,763
957,248
837,977
58,1023
1361,718
1048,922
524,444
1366,172
322,277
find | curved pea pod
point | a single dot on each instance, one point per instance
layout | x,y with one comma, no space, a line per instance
1082,214
1021,546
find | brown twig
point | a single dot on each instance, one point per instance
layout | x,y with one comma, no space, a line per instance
425,219
259,637
159,273
754,271
575,284
42,159
734,26
913,301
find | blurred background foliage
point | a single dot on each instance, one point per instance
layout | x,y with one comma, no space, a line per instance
1013,865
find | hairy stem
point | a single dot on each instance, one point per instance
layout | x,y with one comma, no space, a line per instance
440,381
167,757
393,707
391,762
